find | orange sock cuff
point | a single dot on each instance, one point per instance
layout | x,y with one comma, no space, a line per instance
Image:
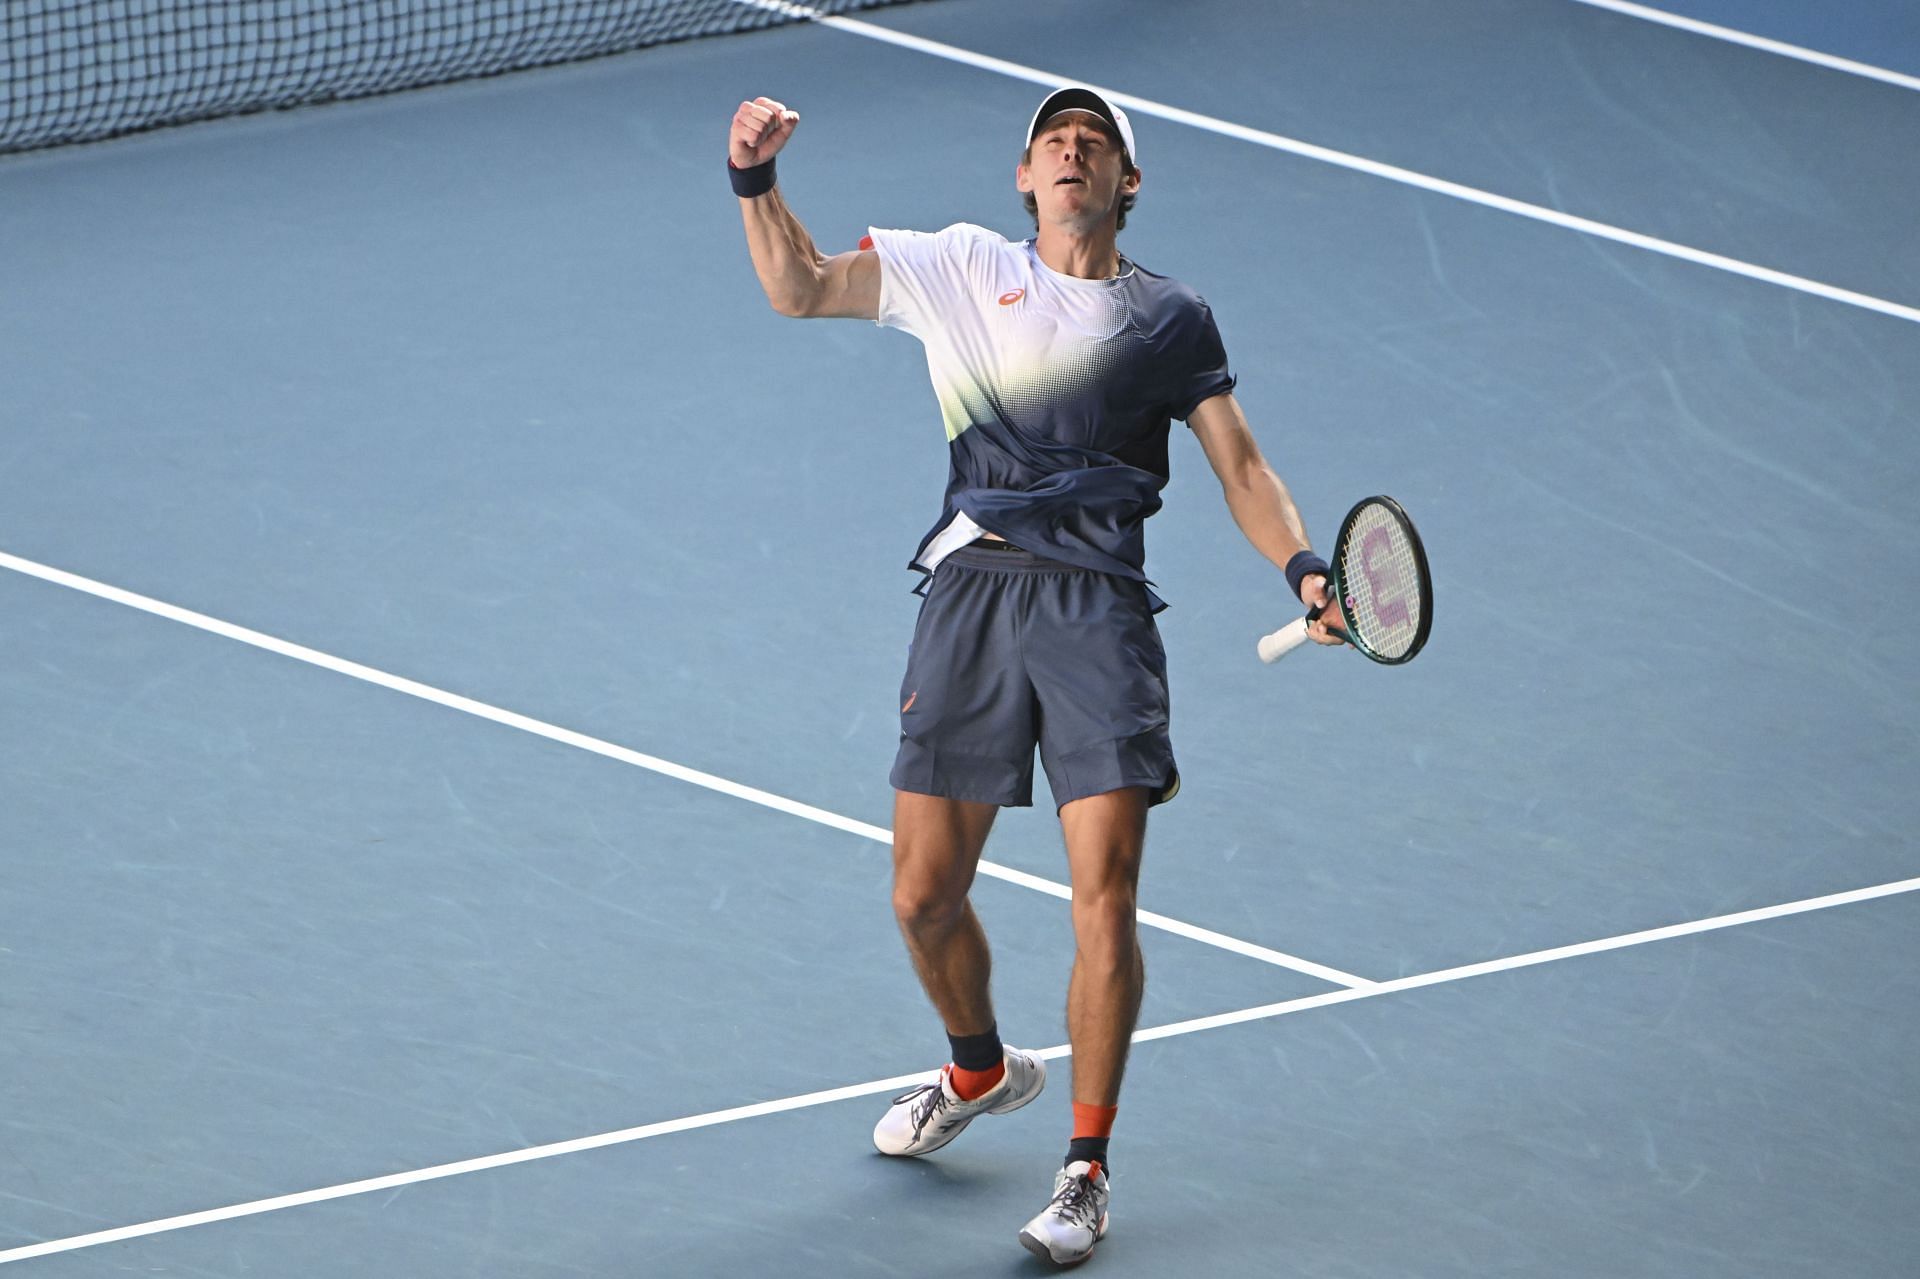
1093,1121
970,1085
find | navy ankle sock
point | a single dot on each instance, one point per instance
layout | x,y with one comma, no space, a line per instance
1091,1149
977,1052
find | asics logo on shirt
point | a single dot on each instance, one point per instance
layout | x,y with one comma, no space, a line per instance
1011,296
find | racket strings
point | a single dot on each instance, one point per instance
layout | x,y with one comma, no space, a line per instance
1380,579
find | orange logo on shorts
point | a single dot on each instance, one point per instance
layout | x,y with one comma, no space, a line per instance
1011,296
910,701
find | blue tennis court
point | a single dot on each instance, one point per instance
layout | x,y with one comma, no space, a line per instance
452,627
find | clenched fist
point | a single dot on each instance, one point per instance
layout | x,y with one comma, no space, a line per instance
760,128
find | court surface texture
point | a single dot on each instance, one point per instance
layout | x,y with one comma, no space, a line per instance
451,629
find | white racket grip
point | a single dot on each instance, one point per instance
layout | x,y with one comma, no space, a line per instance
1283,641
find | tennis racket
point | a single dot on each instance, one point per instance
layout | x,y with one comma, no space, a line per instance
1379,582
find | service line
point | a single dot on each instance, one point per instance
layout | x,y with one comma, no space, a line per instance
828,1096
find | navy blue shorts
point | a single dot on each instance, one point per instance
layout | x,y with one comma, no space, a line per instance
1013,651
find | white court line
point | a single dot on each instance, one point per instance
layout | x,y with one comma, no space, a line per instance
1781,47
1264,1012
678,772
1359,164
1533,958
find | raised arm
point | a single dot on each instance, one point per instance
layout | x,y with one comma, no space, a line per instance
799,280
1260,503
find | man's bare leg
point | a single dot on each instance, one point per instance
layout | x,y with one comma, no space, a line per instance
936,849
1106,835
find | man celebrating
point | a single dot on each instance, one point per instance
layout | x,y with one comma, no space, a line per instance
1059,365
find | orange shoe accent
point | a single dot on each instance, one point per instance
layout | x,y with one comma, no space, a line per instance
971,1085
1093,1121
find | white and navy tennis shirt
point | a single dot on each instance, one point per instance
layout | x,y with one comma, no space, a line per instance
1056,392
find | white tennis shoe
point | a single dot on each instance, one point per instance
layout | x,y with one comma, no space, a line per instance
1067,1228
928,1117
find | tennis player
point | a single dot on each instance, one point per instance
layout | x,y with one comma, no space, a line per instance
1058,365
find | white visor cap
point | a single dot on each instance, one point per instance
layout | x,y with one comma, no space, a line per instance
1077,97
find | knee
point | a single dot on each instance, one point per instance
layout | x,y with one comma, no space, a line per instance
923,905
1104,927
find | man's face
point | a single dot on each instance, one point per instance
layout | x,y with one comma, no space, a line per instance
1075,171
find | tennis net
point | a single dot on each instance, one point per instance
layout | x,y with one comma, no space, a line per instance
87,69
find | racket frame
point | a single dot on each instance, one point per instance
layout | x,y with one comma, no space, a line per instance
1337,579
